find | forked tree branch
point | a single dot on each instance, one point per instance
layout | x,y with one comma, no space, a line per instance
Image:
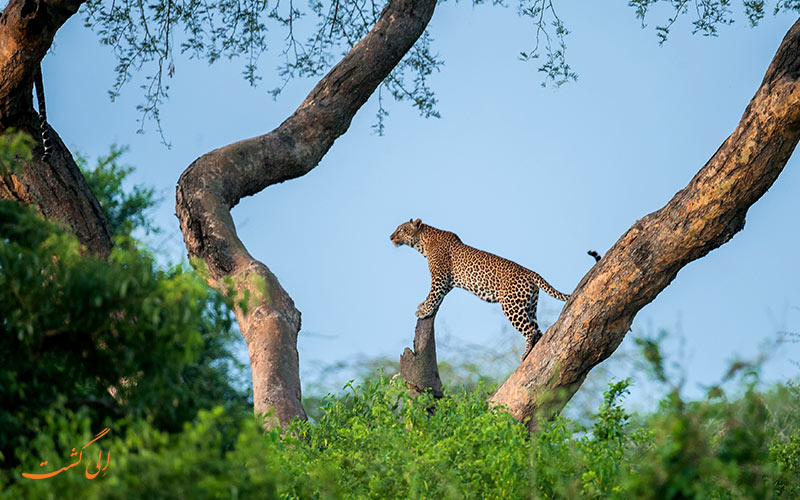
699,218
216,181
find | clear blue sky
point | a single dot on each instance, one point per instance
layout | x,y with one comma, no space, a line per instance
535,175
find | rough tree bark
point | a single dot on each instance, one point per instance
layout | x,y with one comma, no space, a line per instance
216,181
699,218
419,368
56,186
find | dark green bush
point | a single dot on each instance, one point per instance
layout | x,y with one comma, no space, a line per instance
114,340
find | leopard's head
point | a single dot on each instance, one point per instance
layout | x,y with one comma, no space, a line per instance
407,233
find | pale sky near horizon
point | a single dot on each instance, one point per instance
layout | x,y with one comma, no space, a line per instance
533,174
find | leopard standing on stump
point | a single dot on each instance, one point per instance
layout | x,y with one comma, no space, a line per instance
492,278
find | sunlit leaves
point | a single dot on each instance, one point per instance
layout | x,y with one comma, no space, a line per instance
125,210
15,148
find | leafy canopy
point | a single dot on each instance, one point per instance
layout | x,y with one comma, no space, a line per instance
312,38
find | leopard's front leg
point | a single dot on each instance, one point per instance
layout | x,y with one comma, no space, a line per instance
440,285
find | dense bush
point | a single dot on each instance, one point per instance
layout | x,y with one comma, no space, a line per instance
376,442
114,339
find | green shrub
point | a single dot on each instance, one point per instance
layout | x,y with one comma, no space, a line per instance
377,442
114,340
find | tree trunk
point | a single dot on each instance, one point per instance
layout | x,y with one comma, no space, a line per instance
216,181
698,219
419,368
55,186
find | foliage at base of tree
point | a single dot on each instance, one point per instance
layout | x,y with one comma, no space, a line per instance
377,442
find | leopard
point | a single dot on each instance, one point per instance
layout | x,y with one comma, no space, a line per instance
490,277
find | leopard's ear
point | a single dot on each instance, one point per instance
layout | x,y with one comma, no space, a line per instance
417,223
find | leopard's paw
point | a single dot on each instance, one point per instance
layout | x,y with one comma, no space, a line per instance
421,312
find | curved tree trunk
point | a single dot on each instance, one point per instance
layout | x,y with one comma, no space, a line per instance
698,219
216,181
55,186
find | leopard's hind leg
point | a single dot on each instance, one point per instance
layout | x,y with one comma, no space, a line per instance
530,310
521,311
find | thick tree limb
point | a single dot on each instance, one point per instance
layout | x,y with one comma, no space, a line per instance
55,186
216,181
699,218
419,368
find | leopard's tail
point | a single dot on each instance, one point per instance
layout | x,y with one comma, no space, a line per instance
45,131
549,290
